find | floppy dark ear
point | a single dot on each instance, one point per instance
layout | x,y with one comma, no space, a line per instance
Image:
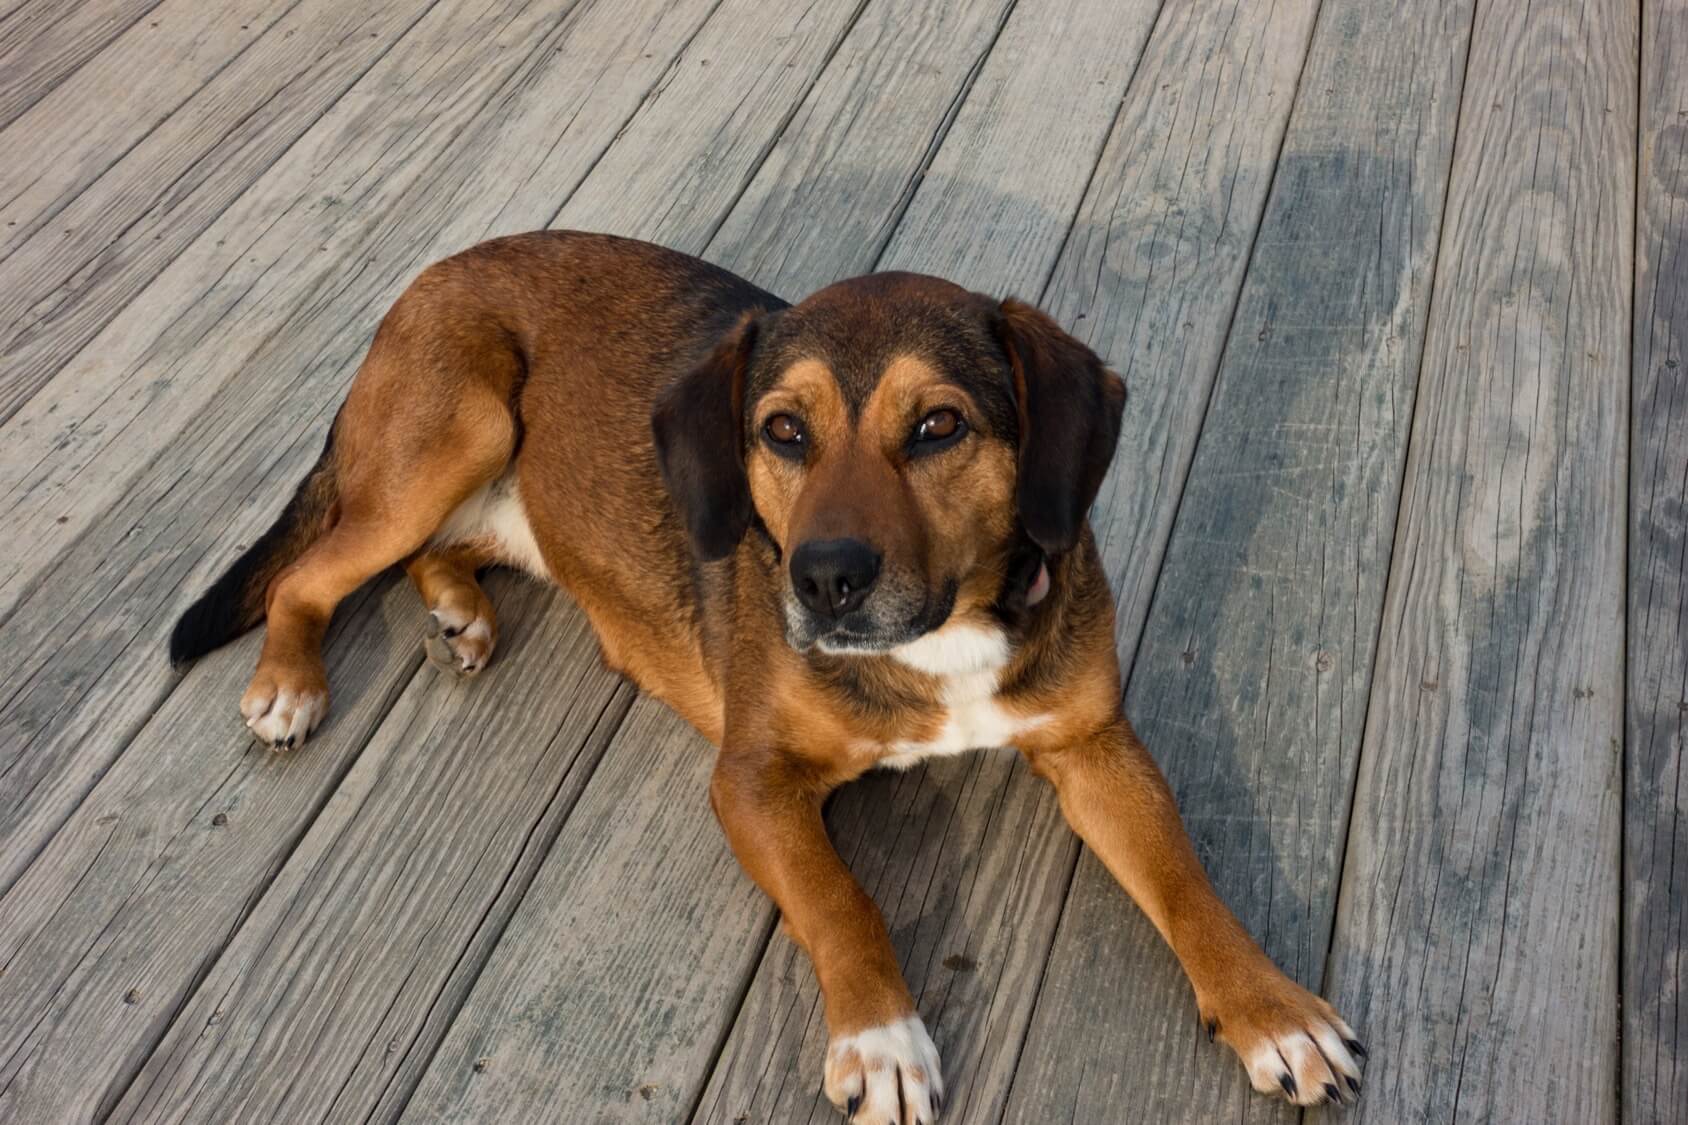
1070,406
696,423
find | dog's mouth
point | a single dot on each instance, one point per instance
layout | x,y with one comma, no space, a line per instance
864,631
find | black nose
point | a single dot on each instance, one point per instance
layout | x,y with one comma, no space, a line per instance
833,576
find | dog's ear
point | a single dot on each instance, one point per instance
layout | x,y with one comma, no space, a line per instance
700,447
1070,406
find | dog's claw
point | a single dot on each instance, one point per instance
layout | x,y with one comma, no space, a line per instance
1332,1093
1357,1047
1287,1081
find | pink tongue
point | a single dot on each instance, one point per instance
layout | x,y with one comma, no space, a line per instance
1040,586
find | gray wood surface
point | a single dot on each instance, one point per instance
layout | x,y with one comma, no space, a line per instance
277,351
1477,922
1250,680
506,899
42,41
75,714
264,270
1655,955
334,992
103,196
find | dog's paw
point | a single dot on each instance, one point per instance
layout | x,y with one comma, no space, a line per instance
1291,1042
886,1075
459,640
283,708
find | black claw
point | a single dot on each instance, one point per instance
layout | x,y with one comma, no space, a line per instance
290,739
1212,1027
1332,1093
851,1106
937,1103
1357,1047
1353,1084
1287,1081
452,632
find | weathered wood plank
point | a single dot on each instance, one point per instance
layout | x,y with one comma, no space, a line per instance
1655,809
1254,666
857,147
634,938
42,42
1477,924
102,936
991,212
92,220
323,1001
81,442
221,1077
88,668
78,131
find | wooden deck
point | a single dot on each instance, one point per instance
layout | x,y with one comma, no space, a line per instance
1398,528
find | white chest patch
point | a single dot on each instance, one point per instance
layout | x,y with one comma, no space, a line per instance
968,660
495,511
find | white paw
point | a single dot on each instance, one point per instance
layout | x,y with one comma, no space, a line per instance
458,640
283,717
1293,1045
886,1075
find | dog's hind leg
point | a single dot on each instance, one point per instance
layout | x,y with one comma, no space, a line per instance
462,628
421,430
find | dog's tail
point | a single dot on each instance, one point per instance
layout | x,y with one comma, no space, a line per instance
236,601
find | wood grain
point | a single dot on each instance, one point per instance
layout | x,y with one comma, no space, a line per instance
106,932
78,131
636,937
337,209
1655,891
43,41
90,642
1251,677
107,190
335,990
1477,924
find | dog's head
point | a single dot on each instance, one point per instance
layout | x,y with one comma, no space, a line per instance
902,440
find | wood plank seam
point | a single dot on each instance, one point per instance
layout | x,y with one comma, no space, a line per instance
45,218
13,113
621,703
1400,497
1128,663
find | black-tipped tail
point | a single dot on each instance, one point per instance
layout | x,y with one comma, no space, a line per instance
235,602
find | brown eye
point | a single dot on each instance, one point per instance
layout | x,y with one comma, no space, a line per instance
939,426
783,429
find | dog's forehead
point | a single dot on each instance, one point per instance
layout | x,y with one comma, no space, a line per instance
864,327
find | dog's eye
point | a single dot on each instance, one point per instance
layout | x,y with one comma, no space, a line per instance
937,429
783,429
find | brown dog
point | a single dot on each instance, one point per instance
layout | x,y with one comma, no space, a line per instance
858,538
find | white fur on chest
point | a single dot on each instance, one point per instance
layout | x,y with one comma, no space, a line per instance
968,661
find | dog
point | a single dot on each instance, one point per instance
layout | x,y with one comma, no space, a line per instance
841,534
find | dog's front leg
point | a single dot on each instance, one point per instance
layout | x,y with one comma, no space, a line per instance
880,1062
1291,1041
